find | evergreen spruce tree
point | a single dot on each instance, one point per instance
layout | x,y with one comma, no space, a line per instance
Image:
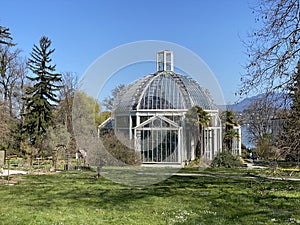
5,37
41,98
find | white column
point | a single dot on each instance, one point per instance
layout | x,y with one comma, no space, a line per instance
130,127
179,150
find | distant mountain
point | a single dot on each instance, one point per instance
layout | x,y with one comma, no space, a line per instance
279,99
240,106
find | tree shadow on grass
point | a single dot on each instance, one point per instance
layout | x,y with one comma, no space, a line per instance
210,199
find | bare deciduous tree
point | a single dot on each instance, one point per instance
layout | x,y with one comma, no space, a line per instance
258,117
13,73
113,100
64,111
12,82
66,96
273,48
4,127
289,135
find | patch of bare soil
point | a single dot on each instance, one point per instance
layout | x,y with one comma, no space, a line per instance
11,181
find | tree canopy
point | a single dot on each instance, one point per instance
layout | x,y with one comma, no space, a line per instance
272,48
12,80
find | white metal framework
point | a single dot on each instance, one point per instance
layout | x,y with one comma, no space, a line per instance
236,142
165,61
152,112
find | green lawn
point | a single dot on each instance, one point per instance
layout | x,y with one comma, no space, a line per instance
78,198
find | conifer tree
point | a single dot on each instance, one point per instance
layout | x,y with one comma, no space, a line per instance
5,37
41,98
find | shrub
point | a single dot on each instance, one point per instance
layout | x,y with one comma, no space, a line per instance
226,159
120,148
194,163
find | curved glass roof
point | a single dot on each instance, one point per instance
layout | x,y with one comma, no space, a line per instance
164,90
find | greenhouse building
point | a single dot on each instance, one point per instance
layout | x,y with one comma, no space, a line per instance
157,113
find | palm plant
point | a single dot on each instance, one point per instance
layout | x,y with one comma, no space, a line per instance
230,134
198,119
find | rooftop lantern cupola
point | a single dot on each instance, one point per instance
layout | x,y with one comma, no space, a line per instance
165,61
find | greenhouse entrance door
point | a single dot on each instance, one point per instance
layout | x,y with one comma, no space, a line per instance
158,140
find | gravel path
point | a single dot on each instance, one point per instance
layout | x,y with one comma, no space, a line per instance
11,172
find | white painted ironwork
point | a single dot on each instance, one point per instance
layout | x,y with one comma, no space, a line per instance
152,112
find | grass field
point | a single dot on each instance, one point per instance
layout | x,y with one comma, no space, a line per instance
220,197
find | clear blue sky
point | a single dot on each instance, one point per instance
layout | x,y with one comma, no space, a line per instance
83,30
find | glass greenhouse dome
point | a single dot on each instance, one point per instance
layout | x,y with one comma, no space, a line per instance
157,112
